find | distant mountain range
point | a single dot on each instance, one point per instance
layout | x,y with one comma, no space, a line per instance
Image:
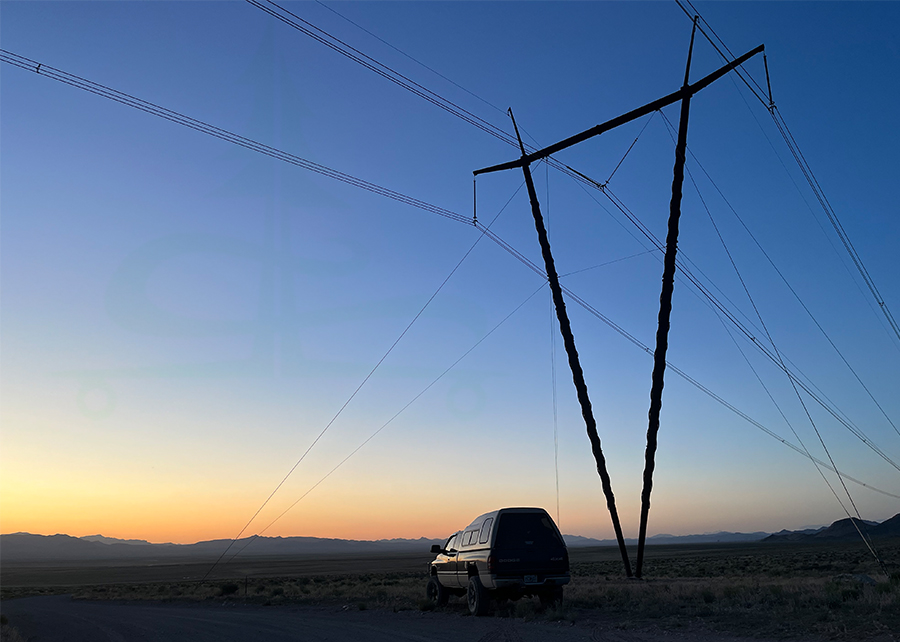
21,547
25,547
841,530
576,541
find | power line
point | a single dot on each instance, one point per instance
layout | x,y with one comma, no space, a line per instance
689,275
812,422
805,169
388,73
385,71
131,101
360,386
553,386
818,223
336,44
605,263
486,232
647,350
800,399
816,462
389,421
783,278
833,217
223,134
415,60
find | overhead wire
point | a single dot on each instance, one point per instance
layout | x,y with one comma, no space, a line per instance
816,462
692,279
336,44
627,151
218,132
815,219
363,382
681,373
387,72
784,280
610,262
833,218
389,421
802,164
553,386
816,188
415,60
131,101
777,352
683,261
796,391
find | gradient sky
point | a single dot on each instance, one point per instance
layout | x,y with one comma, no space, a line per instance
181,317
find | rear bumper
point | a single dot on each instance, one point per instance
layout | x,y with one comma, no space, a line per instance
517,584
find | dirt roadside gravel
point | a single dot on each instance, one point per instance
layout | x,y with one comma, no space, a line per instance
59,618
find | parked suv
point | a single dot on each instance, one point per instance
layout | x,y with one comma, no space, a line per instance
505,554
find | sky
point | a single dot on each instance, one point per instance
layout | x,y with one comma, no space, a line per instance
182,317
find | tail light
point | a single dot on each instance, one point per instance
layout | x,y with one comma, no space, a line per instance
492,564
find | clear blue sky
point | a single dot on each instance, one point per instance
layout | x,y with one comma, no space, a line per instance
181,317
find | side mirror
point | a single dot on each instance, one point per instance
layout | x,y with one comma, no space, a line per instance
436,549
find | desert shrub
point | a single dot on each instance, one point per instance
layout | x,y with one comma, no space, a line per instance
10,634
524,609
228,588
562,612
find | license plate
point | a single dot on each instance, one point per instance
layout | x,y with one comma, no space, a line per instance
531,579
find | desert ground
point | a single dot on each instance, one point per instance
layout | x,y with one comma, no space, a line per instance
690,593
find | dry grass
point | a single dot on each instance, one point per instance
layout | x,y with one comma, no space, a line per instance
9,633
756,590
842,608
835,590
397,591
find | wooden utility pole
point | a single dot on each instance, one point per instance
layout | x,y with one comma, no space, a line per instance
565,329
684,95
665,311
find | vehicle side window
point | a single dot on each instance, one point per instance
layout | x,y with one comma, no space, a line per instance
486,530
468,540
451,543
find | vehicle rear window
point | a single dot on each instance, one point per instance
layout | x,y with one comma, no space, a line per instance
521,530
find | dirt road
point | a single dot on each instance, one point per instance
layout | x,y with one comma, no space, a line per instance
60,619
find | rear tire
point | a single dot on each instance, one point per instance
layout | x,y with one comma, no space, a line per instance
436,593
477,597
